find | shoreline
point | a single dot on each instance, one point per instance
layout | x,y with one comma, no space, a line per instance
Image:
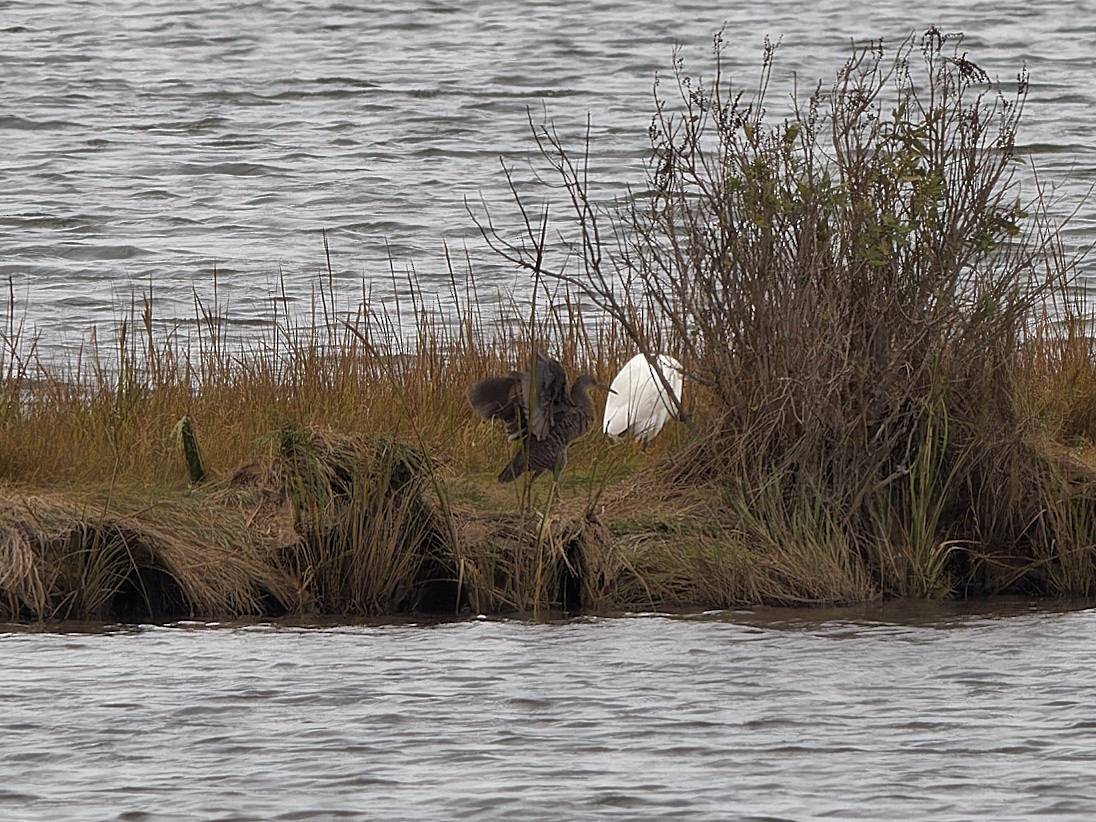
250,546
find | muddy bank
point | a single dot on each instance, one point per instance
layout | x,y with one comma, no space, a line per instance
332,524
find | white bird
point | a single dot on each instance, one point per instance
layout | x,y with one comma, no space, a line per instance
638,405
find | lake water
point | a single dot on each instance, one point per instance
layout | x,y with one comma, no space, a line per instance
931,712
147,142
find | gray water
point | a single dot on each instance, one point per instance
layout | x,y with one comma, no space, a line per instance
939,712
147,143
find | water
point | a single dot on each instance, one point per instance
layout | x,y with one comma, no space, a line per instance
148,143
942,712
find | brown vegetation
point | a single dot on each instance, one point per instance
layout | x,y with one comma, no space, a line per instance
889,392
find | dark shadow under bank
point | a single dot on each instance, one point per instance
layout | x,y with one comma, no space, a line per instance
442,602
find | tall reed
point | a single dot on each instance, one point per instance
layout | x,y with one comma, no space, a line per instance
111,412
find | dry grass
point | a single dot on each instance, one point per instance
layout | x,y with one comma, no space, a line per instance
890,392
111,413
340,468
97,554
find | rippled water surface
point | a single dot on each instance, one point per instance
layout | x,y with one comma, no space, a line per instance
937,713
147,142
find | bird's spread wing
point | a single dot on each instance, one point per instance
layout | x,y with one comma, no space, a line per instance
544,391
502,398
527,402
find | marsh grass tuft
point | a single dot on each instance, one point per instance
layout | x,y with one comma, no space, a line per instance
366,529
103,554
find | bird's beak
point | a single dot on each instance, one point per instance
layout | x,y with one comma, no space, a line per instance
605,388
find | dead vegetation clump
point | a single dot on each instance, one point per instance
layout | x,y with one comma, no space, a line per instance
100,556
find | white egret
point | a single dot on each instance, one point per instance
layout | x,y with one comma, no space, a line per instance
639,405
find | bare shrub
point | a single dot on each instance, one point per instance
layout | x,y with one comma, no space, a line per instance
851,288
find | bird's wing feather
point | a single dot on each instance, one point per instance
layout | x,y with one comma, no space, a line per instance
501,398
544,391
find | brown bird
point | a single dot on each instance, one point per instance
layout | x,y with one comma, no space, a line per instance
541,412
